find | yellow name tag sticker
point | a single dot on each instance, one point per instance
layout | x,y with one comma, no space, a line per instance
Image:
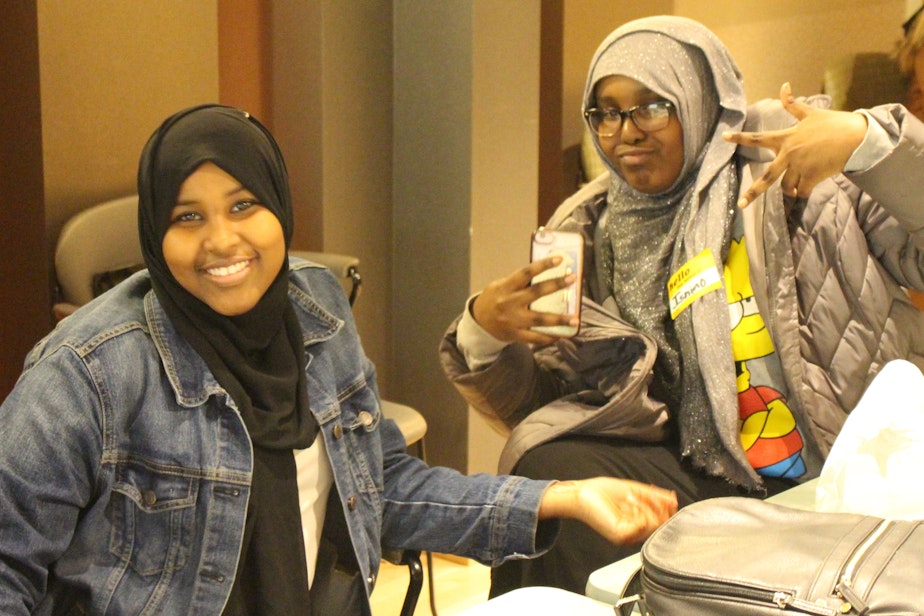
694,279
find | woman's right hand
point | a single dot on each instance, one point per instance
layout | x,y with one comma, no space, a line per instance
623,511
502,308
816,148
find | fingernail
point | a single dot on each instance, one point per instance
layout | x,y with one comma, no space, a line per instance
742,202
788,88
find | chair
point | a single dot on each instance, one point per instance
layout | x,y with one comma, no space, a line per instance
111,229
99,247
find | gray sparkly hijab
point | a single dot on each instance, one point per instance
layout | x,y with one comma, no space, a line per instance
647,237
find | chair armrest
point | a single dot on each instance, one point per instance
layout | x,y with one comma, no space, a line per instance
337,263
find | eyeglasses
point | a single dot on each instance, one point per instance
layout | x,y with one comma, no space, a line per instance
648,118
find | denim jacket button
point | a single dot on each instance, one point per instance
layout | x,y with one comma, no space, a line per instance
338,432
371,580
149,498
351,503
365,418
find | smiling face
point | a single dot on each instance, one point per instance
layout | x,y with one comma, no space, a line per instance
649,161
222,245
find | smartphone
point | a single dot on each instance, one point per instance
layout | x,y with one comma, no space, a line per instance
570,247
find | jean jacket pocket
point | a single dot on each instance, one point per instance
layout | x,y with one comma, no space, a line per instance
153,515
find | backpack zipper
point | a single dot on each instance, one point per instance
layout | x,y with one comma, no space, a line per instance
779,598
844,587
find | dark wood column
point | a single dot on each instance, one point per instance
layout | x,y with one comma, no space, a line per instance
552,186
25,296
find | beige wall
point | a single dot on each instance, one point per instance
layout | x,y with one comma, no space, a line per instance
505,163
793,40
103,75
111,71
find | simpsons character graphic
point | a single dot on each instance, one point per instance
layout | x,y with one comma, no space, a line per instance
768,427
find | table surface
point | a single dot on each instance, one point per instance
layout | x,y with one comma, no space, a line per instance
540,601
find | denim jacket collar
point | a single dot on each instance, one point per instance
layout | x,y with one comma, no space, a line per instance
190,378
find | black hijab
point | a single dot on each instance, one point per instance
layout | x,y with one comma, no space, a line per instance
258,357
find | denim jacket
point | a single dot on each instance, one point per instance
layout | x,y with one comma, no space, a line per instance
126,467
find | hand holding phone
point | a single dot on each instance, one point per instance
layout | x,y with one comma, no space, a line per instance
570,247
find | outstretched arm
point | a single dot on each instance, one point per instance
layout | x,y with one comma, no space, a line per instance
493,518
816,148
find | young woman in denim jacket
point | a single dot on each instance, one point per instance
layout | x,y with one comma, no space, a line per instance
206,438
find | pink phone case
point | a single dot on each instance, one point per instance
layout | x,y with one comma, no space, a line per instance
570,246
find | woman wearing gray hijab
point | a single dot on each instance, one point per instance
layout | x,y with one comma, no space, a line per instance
720,348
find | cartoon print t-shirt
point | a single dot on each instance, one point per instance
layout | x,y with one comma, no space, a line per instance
769,432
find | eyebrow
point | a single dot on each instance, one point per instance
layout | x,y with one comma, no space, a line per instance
234,191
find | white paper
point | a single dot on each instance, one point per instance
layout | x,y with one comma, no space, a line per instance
877,461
